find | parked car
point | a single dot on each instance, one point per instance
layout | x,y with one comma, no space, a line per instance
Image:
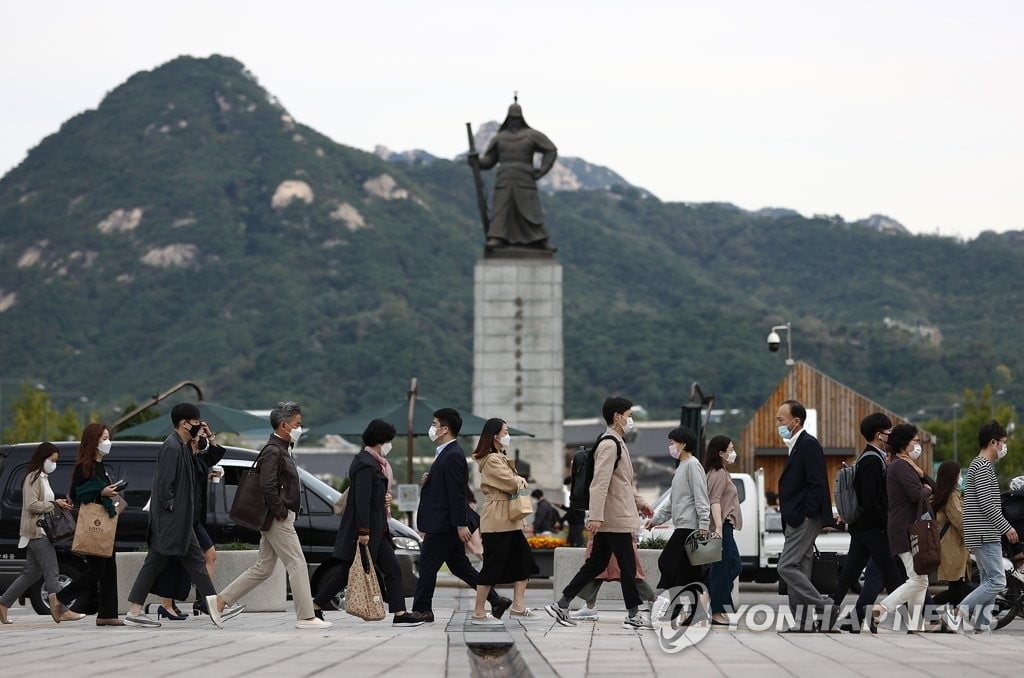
761,539
135,462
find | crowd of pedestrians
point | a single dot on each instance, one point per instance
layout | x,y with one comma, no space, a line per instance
891,489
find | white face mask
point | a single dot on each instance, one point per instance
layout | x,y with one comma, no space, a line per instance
915,452
731,457
1002,451
385,449
673,451
505,440
295,434
432,433
49,467
629,424
104,447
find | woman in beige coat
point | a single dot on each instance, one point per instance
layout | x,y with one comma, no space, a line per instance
948,505
507,555
37,500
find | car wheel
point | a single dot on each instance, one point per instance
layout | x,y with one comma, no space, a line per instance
38,594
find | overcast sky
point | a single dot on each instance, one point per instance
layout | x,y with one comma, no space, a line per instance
910,109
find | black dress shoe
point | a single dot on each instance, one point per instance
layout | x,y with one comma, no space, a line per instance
319,614
498,608
427,617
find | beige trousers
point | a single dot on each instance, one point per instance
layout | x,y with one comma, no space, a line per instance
280,541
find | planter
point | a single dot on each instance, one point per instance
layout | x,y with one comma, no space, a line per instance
568,561
269,596
545,559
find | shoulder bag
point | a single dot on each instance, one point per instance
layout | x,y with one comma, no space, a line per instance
924,542
58,524
249,508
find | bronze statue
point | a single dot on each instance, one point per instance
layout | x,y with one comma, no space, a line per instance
516,219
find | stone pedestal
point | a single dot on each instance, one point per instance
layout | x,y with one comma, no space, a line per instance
518,358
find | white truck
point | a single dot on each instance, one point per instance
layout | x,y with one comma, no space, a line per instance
761,539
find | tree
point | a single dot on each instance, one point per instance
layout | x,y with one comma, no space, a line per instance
978,409
35,419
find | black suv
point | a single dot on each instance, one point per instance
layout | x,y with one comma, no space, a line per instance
135,462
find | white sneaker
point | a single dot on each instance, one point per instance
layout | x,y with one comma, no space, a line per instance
231,611
140,620
637,622
313,623
215,614
659,607
951,620
486,620
587,614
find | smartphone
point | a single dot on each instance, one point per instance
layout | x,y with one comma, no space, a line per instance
120,484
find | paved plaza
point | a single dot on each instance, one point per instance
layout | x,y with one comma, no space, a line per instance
267,644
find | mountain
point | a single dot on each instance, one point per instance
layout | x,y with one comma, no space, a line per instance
190,228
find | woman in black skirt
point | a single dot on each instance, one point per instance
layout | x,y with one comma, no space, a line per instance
507,555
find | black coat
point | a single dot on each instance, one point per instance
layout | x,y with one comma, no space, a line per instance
365,509
803,485
172,509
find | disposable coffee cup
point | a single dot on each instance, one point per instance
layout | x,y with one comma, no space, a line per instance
218,472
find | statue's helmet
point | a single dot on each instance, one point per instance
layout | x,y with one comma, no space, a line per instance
515,112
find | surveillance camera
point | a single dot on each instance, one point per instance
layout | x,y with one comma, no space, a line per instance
773,341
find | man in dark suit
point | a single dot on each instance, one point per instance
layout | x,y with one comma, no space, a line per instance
806,508
445,517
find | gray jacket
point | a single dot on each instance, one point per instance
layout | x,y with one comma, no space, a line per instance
688,505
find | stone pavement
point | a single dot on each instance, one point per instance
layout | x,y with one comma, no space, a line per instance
267,644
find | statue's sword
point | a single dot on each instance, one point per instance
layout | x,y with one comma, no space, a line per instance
478,180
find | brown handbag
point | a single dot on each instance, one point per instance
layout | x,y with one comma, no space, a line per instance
925,546
362,597
95,531
249,508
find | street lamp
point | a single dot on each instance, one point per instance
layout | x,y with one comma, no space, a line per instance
774,341
956,432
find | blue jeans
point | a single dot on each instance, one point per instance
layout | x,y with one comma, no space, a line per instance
724,572
993,580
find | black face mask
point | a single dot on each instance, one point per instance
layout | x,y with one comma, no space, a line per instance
194,429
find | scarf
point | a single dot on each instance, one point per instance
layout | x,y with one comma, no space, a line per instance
385,467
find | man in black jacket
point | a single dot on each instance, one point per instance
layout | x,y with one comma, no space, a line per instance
806,507
545,519
445,518
868,539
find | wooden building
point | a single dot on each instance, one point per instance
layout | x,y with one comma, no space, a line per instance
837,413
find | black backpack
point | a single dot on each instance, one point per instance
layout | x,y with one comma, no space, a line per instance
582,473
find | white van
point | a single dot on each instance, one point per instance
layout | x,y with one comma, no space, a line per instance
761,539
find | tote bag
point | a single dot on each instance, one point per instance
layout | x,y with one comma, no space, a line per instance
362,597
59,524
94,534
925,545
248,508
703,551
519,505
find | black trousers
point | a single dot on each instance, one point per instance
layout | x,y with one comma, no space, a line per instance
193,562
605,545
101,573
437,549
868,544
390,573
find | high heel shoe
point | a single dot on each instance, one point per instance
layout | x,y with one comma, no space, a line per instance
163,613
876,613
199,607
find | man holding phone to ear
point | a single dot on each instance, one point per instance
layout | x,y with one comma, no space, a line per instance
171,518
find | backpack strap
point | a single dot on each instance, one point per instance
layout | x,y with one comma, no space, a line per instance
618,448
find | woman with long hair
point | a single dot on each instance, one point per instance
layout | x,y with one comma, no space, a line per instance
507,554
37,500
90,484
725,518
908,489
948,506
